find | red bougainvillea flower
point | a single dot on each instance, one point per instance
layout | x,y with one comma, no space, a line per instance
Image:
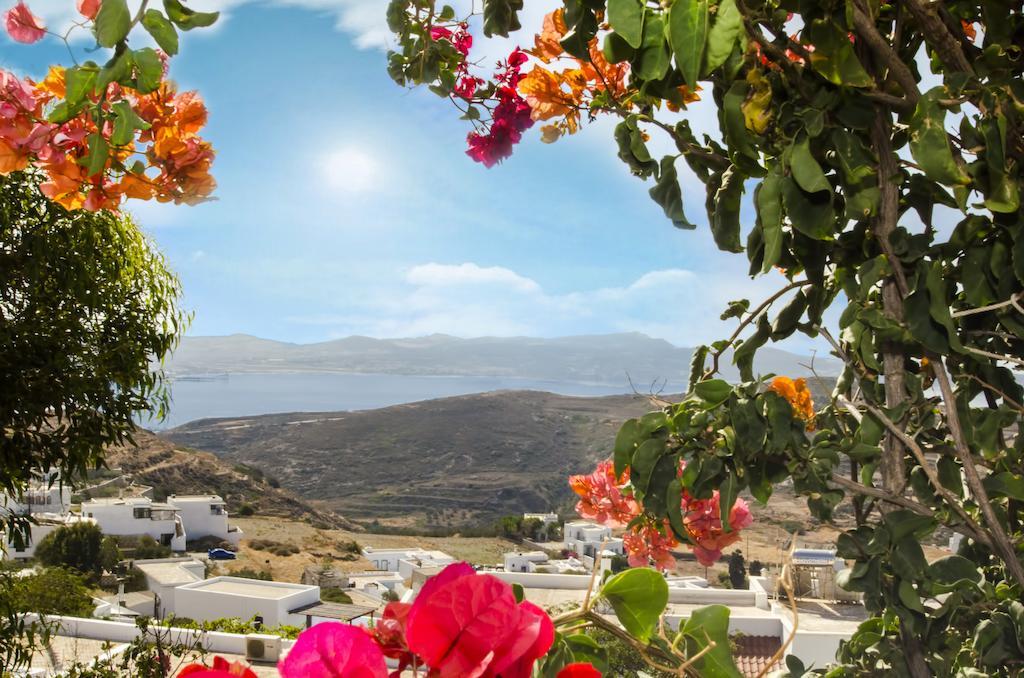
390,634
510,118
23,25
89,8
465,625
647,543
221,668
579,670
332,650
601,496
702,518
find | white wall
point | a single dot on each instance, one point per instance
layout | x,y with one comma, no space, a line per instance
197,601
119,519
540,580
199,520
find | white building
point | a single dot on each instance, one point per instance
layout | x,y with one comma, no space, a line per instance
165,575
586,538
205,515
137,516
44,525
46,494
276,602
524,561
404,561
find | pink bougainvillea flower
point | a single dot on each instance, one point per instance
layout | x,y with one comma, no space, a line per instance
89,8
647,543
467,625
390,634
23,25
601,496
221,668
332,650
579,670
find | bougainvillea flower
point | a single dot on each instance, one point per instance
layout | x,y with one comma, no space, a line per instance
221,668
702,518
89,8
798,396
467,625
548,44
647,543
24,26
390,634
332,650
601,496
579,670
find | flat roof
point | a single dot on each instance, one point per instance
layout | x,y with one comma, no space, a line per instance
169,574
339,611
255,588
195,497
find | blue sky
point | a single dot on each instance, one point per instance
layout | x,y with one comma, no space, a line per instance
346,204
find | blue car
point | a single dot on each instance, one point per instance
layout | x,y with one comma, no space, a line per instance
220,554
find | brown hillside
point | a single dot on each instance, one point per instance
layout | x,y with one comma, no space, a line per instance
172,469
447,461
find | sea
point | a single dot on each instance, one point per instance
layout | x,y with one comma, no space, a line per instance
241,394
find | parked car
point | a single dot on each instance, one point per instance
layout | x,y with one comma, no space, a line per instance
220,554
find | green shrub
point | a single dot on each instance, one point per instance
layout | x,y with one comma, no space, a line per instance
246,509
77,546
250,573
55,590
335,596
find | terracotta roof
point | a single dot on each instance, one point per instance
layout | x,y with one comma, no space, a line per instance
754,652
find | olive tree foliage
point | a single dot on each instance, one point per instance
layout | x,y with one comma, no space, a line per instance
87,312
882,143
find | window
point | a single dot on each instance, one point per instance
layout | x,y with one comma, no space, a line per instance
216,509
165,539
141,512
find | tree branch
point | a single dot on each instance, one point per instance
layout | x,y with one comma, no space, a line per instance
882,49
1003,545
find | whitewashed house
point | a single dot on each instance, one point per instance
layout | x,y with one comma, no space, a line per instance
586,539
46,494
274,601
524,561
137,516
165,575
404,561
205,515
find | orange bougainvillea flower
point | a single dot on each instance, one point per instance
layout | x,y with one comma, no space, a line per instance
798,396
969,30
547,45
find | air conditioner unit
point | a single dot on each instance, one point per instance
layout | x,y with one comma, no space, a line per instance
262,648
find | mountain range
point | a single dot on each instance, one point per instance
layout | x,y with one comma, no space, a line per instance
599,359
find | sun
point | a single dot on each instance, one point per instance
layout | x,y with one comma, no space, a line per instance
351,169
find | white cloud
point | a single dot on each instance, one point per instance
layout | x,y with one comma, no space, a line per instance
197,256
441,275
470,300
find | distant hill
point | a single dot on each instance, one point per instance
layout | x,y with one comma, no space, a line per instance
449,461
601,359
170,468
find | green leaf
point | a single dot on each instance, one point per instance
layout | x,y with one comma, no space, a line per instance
723,35
953,571
118,69
929,143
728,491
903,523
79,82
639,597
788,318
126,121
725,221
653,60
626,18
667,193
644,460
625,444
768,198
710,624
518,592
112,22
673,506
743,356
833,56
736,133
909,598
1005,484
907,558
1003,194
713,391
162,30
811,213
806,170
99,151
700,354
688,33
149,70
616,50
586,649
186,19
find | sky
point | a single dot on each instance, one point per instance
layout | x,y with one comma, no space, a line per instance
346,204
